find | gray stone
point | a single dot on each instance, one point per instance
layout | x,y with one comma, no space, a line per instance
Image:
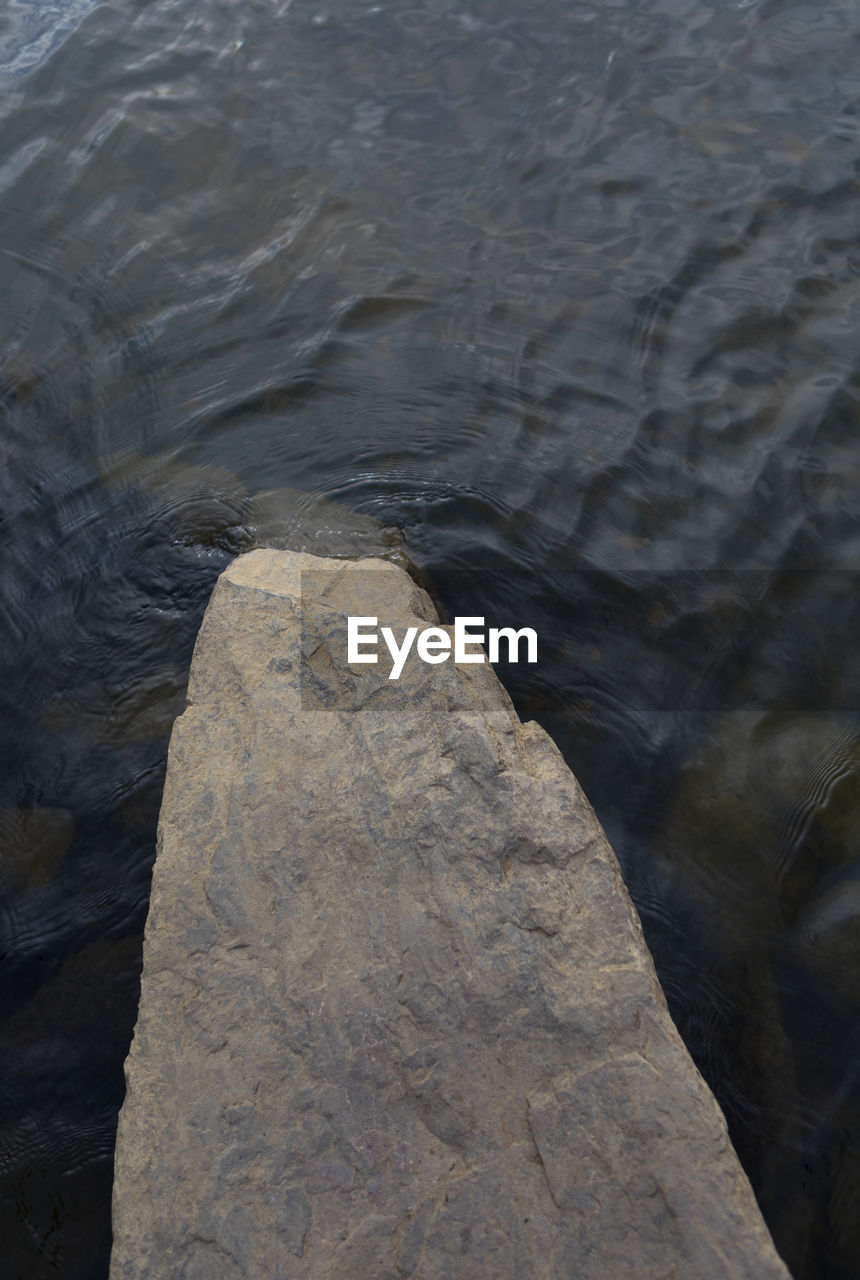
397,1015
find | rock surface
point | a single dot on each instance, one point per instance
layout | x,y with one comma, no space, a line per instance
397,1015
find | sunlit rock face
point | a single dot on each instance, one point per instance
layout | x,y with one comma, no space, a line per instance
397,1016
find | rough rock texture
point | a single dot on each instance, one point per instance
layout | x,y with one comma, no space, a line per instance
397,1017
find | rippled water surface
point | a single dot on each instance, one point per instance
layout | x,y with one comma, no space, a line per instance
569,293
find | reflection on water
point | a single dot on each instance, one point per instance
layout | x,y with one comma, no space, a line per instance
569,295
33,29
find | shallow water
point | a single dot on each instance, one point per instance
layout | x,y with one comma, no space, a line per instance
570,295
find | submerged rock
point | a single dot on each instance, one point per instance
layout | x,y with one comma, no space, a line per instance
287,519
34,842
397,1015
202,505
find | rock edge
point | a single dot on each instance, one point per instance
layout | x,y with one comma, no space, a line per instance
398,1018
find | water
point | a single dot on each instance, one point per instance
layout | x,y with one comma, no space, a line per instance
569,293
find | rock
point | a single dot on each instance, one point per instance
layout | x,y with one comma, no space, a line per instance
205,505
827,938
34,842
288,519
397,1015
756,842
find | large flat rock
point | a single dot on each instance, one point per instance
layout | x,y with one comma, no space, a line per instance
397,1015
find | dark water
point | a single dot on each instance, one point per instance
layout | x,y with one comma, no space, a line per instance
570,294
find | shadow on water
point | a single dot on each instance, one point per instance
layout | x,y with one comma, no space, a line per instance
567,294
